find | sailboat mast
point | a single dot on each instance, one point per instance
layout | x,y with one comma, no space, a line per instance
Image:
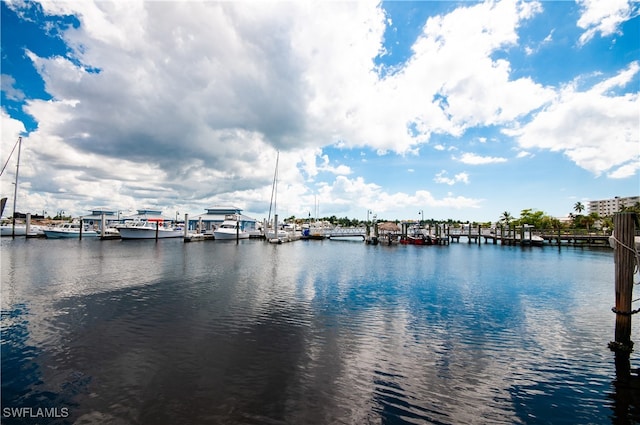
274,188
15,190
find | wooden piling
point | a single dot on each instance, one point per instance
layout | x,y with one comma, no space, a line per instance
624,255
81,227
157,229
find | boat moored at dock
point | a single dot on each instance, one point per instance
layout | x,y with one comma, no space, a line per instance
149,230
230,229
70,231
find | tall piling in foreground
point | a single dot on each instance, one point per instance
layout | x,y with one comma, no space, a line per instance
625,257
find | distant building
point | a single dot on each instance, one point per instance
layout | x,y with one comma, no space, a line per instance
151,215
608,207
95,218
216,215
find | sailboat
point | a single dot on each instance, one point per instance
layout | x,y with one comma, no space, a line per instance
13,230
274,235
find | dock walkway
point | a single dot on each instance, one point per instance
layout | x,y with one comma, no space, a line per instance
515,237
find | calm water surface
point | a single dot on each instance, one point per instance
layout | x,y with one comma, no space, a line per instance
310,332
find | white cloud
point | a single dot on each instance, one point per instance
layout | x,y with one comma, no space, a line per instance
626,170
453,63
441,177
8,88
473,159
185,104
604,17
325,166
596,130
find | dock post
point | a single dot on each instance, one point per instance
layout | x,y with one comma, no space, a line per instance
28,225
157,229
522,241
479,232
624,255
275,226
102,226
186,225
81,227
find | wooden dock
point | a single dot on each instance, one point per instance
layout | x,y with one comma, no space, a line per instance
529,237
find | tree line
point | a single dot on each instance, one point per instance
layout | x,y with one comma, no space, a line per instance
530,216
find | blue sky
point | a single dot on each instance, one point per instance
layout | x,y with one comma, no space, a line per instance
460,110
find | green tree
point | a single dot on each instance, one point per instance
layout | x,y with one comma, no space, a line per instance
506,218
635,208
578,207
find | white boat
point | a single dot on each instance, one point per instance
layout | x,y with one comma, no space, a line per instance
21,230
230,229
69,231
274,234
283,236
7,230
149,230
110,232
530,238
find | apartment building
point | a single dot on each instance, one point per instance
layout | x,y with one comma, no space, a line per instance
609,207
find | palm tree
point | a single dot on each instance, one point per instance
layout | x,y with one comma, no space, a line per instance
506,217
578,207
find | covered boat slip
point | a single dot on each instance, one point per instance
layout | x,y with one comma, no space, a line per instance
214,218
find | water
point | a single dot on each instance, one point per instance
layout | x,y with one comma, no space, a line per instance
310,332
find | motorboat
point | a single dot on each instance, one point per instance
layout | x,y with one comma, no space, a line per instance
418,236
230,229
277,236
418,240
8,230
21,230
69,231
110,232
530,238
149,230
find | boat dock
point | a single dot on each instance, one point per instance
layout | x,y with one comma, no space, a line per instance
520,236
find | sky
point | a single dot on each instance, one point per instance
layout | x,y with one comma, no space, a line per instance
403,110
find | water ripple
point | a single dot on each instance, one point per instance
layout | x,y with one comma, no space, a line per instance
309,333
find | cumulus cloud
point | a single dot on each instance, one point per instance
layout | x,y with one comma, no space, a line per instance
196,98
595,128
8,87
473,159
604,17
441,177
187,104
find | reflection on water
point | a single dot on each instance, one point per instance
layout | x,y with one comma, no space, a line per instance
309,332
